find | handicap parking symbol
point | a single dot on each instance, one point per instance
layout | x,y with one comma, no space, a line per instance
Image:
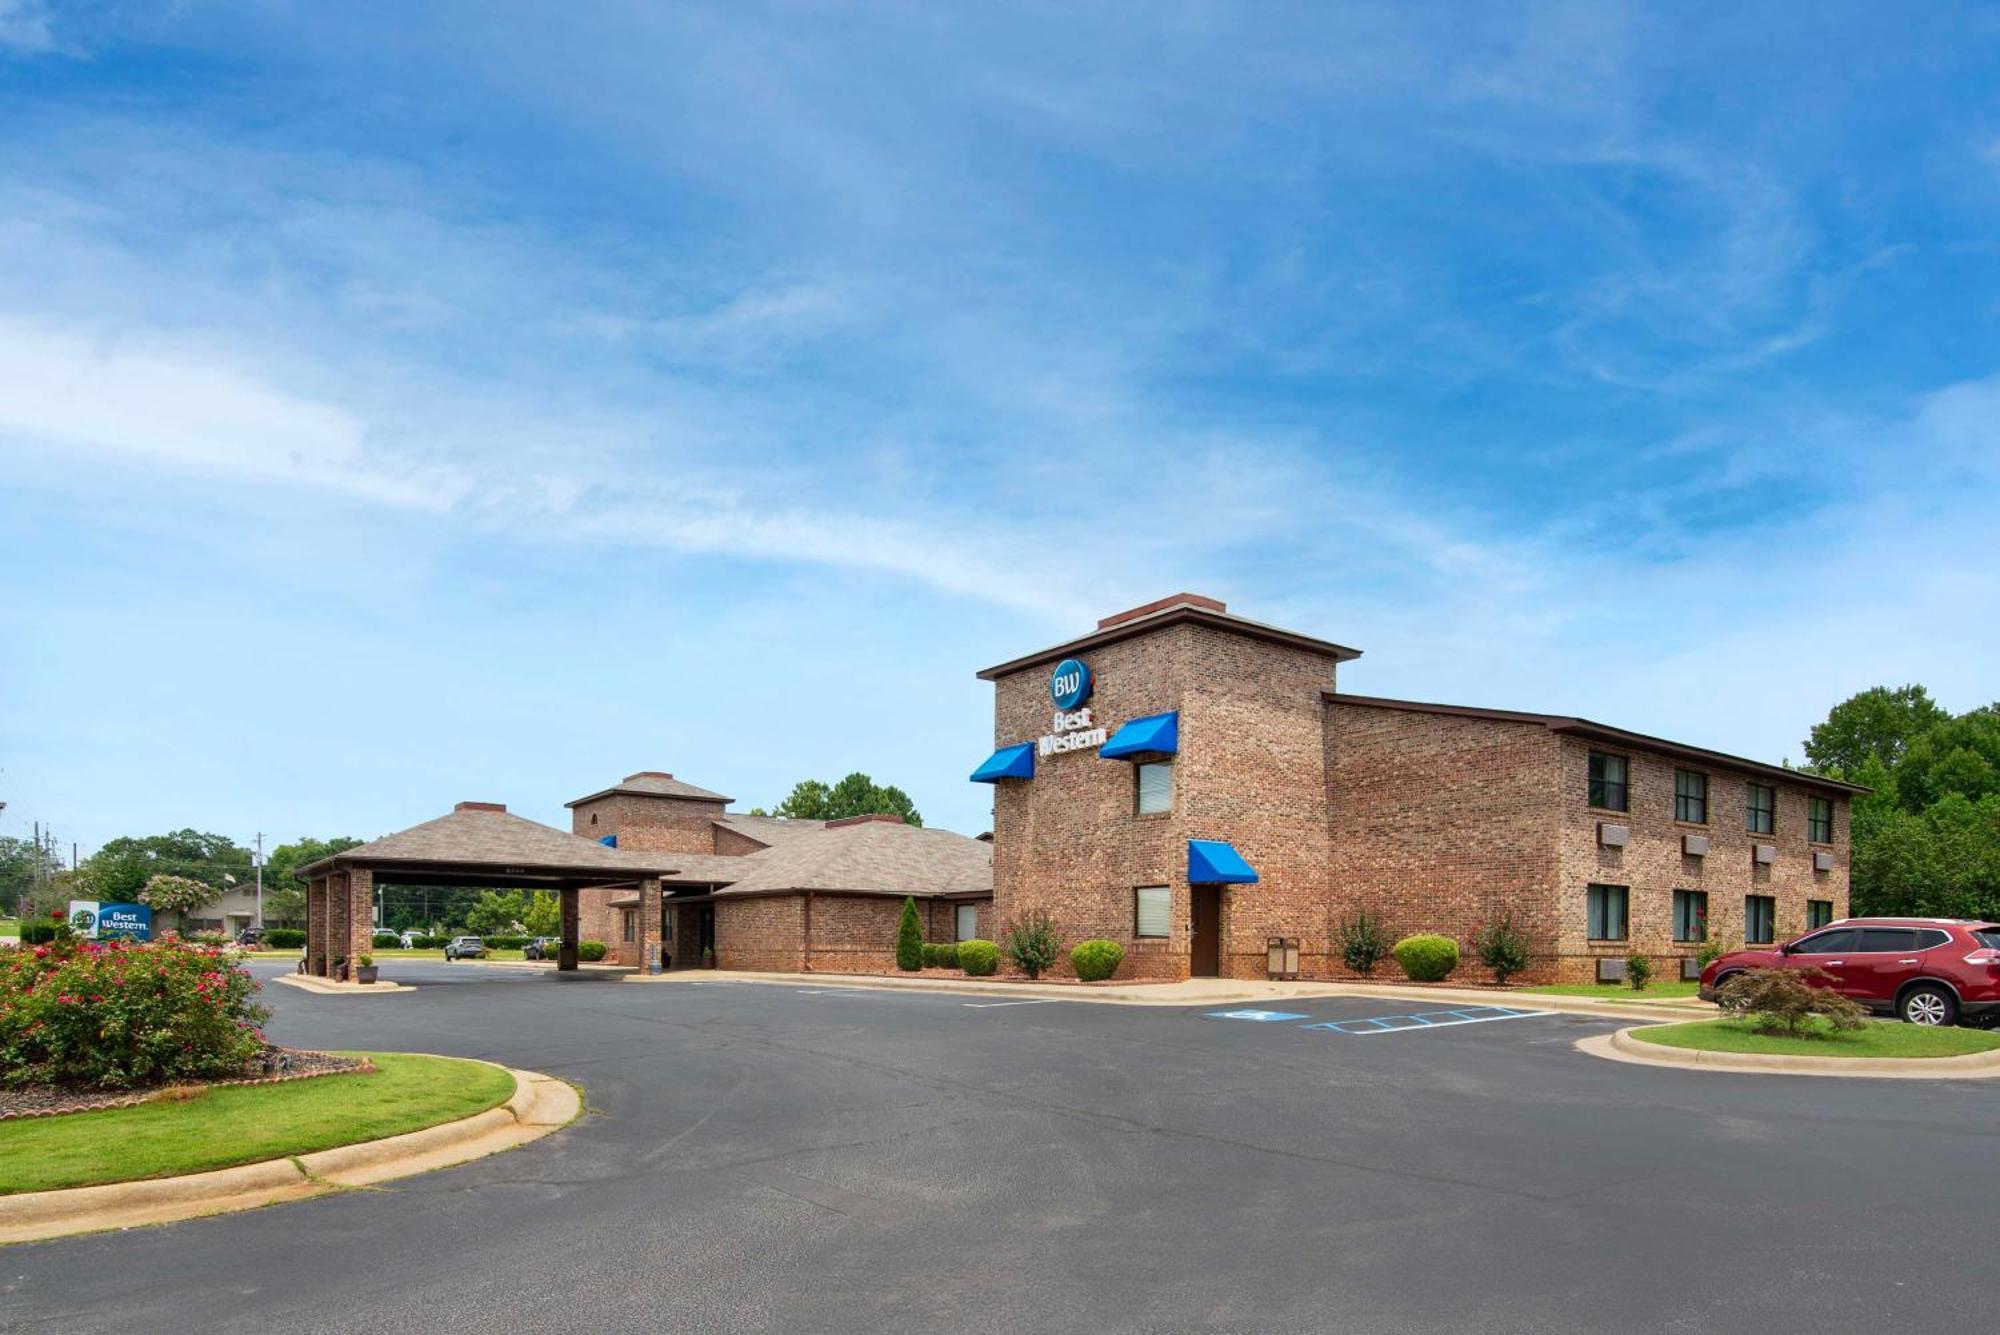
1258,1017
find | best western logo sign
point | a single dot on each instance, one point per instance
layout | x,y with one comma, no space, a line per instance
1073,729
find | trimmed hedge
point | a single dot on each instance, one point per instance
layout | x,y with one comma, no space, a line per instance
942,955
1427,958
979,958
285,938
590,952
505,942
1094,961
39,931
388,941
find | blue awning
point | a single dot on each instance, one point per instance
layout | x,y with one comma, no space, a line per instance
1154,735
609,841
1213,862
1009,762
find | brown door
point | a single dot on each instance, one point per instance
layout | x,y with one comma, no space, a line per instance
1205,950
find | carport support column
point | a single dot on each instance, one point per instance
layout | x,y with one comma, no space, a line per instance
566,953
360,924
649,924
318,897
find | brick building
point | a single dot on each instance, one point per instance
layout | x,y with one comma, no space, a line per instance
1193,785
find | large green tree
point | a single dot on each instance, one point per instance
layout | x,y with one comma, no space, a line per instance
23,866
855,795
119,870
284,888
1926,840
1879,722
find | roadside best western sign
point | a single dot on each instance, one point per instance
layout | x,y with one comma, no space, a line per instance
105,922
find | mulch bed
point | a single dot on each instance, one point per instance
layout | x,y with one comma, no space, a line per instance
276,1065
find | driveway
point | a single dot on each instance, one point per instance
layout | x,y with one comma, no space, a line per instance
789,1158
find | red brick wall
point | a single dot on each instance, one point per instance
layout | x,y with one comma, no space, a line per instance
1438,824
650,824
1652,864
1251,770
767,932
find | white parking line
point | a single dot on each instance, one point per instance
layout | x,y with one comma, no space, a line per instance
1407,1024
989,1005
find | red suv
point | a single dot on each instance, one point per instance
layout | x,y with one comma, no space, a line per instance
1927,970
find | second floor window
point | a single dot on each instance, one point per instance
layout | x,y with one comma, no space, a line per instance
1819,820
1156,787
1608,912
1607,782
1691,796
1760,809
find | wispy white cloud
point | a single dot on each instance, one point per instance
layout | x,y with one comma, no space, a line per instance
24,26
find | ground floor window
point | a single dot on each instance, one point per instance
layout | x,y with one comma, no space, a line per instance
1690,915
966,924
1152,911
1819,912
1608,912
1760,914
630,925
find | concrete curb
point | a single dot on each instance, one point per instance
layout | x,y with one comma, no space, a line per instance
1211,992
307,982
539,1105
1621,1046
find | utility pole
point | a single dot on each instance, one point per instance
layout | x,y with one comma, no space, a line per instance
260,880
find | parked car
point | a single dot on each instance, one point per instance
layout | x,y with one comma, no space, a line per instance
1926,970
250,936
410,939
465,948
542,948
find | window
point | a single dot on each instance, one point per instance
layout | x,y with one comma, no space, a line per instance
1607,912
1152,910
1760,809
1690,915
1607,782
1819,820
1836,942
1759,918
1888,941
631,925
965,922
1819,912
1930,938
1691,796
1156,786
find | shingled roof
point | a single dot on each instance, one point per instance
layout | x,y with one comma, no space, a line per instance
871,856
655,783
486,834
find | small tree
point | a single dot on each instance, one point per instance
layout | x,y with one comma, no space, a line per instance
497,912
1032,943
544,914
1638,971
178,895
1780,1001
1501,947
1363,944
909,938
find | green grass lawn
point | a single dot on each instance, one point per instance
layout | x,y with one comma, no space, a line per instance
244,1124
1877,1038
10,926
1657,990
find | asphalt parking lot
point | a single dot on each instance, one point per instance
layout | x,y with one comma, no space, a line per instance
779,1158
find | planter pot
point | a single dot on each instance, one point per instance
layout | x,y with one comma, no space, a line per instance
365,973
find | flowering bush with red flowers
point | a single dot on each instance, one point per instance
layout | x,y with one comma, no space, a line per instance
116,1014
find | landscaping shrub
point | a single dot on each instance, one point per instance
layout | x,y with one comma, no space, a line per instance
979,958
909,938
388,941
1427,958
1032,944
508,942
1712,949
431,942
1638,972
117,1014
1094,961
590,952
1501,947
37,931
1780,1001
287,938
1363,944
941,955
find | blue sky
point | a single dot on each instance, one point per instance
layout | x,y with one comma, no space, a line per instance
404,403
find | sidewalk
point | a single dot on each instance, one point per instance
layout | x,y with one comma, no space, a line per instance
1210,992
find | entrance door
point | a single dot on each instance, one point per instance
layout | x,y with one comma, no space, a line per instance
1205,949
707,930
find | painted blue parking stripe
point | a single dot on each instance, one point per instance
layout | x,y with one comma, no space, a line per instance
1255,1017
1396,1024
